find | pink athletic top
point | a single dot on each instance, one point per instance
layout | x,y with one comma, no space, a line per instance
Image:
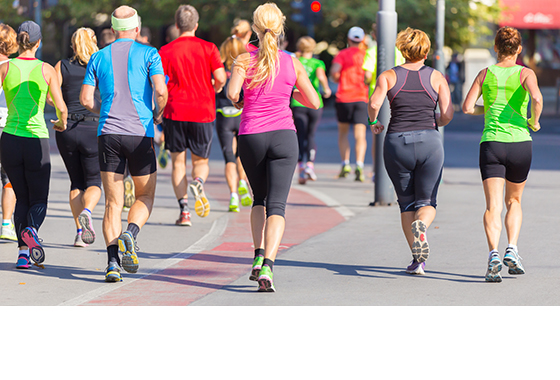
268,109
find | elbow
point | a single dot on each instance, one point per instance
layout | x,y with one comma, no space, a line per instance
232,95
537,100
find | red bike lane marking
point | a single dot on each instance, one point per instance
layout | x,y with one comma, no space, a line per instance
231,258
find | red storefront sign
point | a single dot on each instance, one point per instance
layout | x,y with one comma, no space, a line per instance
531,14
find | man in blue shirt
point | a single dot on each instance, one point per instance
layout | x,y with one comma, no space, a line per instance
129,76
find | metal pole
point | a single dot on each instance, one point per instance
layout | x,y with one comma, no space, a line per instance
439,57
38,20
386,37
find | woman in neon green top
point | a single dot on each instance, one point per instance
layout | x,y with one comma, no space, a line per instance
506,146
306,119
24,142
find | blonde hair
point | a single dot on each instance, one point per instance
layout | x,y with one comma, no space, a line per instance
306,44
230,49
8,40
84,44
241,28
268,24
414,44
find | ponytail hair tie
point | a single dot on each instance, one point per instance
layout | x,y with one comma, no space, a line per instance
267,30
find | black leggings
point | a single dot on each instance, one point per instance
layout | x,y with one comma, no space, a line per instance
227,129
306,121
27,163
78,148
270,159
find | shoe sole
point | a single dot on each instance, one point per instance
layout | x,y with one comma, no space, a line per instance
514,267
419,271
255,273
36,251
22,266
129,196
187,224
88,234
265,284
493,274
245,198
420,246
113,277
201,205
7,237
129,257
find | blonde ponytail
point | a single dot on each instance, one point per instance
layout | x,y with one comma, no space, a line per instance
84,43
268,24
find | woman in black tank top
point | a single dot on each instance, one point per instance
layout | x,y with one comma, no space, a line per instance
413,146
78,144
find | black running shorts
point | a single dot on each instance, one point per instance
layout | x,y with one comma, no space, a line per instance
116,150
352,113
511,161
183,135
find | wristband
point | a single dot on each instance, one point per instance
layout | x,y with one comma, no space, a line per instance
374,122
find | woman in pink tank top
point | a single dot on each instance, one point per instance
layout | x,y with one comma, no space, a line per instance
267,144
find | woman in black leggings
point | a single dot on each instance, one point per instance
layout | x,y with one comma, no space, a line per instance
78,144
413,148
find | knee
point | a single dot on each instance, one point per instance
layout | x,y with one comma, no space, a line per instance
513,202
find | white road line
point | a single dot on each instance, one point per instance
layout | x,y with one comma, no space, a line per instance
218,228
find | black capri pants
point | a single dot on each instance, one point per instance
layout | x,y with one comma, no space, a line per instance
270,159
511,161
227,129
78,148
414,162
27,162
306,121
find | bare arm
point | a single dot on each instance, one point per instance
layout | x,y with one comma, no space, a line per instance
469,105
444,99
322,76
378,97
56,95
59,75
160,96
87,99
238,75
335,72
306,93
220,78
530,83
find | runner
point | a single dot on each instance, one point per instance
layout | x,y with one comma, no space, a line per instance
307,119
190,63
125,132
506,144
8,46
267,140
227,127
78,143
351,101
413,147
25,141
242,30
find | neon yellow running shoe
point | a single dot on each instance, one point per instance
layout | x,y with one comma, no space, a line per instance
234,203
257,265
243,191
346,169
201,204
265,280
128,249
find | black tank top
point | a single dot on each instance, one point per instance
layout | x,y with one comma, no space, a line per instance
73,74
413,101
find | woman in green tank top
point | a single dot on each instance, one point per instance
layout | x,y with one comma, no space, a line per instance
505,147
24,143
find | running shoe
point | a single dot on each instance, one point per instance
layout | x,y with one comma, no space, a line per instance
420,247
79,242
346,169
88,234
302,177
513,261
113,273
22,262
129,197
416,267
494,268
265,280
310,173
201,205
243,192
128,249
8,232
359,172
184,219
163,156
257,266
30,238
234,203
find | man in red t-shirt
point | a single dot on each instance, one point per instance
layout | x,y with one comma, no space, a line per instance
351,101
195,73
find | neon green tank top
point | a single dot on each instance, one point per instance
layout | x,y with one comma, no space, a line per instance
505,105
311,65
26,93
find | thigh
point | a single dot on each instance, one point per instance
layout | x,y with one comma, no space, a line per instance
282,161
359,113
175,133
492,160
226,131
518,163
199,138
66,143
89,156
111,156
344,112
252,152
12,164
301,120
400,163
139,151
429,167
37,166
314,118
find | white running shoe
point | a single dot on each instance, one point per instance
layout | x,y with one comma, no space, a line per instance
8,232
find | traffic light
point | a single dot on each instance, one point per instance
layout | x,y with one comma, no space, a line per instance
315,6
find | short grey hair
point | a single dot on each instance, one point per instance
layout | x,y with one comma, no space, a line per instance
186,18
